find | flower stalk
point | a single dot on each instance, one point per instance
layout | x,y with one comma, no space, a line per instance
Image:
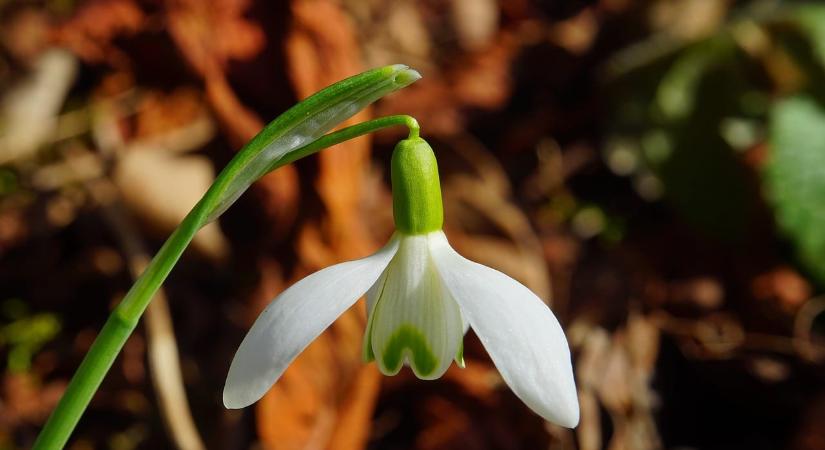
297,133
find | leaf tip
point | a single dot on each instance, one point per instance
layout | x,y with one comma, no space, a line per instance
403,75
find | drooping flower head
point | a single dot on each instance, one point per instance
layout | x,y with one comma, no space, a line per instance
422,297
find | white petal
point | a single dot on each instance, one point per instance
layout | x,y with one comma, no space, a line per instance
293,320
375,291
415,321
372,298
521,334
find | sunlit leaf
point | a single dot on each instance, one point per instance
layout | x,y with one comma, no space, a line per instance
811,20
795,178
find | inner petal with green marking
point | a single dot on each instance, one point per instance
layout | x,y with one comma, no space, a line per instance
413,319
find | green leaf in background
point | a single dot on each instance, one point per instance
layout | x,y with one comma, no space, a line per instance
697,117
704,180
23,334
676,93
795,178
811,20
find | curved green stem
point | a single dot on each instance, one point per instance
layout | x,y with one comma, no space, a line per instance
349,133
125,317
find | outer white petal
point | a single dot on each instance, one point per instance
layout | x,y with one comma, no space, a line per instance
295,318
521,334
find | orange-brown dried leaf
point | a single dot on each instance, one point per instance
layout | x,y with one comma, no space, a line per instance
483,79
24,34
782,286
159,114
26,401
211,33
90,30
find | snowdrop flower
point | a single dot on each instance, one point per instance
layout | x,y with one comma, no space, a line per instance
421,297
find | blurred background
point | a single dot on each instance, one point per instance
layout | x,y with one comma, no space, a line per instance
653,168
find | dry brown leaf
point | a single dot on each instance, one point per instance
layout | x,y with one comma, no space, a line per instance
448,426
810,434
79,165
475,21
28,111
13,229
643,339
589,430
614,371
783,286
93,26
240,122
688,19
25,400
356,410
478,378
578,33
483,80
614,385
25,33
408,31
211,33
702,293
161,188
160,114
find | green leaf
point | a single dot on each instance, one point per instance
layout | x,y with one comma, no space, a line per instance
303,124
795,178
26,336
677,91
811,20
703,178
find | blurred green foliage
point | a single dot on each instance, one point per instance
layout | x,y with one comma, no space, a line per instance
810,19
688,117
23,334
795,177
8,181
679,104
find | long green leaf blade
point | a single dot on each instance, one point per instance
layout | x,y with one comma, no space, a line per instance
303,124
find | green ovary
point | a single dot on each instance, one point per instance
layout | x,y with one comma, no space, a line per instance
405,339
416,190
